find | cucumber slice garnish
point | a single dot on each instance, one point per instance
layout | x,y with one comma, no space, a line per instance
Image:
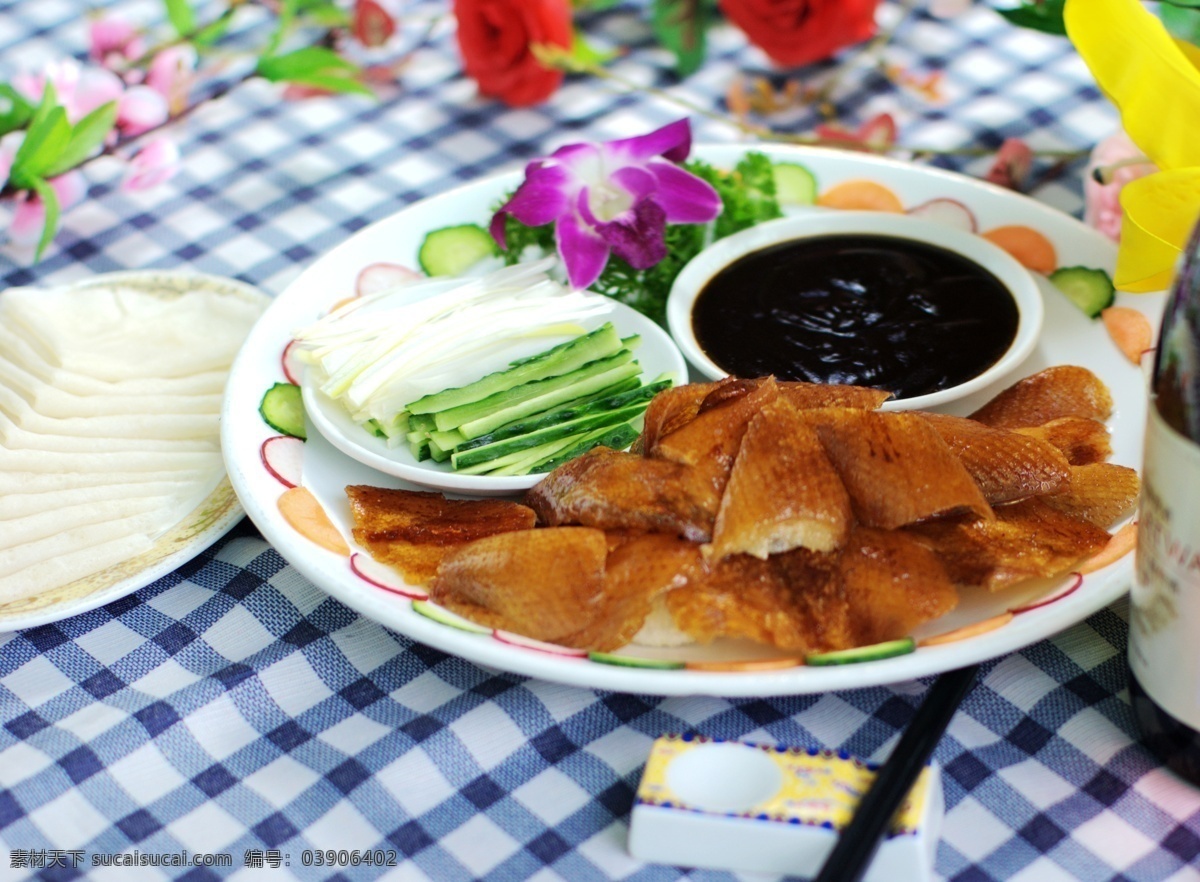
283,410
445,617
628,661
874,652
451,251
794,184
1090,289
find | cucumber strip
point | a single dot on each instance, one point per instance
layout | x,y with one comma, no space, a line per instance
283,410
463,459
439,453
1090,289
447,440
418,445
421,422
617,438
561,359
548,449
625,385
530,398
451,251
566,413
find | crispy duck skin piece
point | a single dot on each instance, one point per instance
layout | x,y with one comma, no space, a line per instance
893,583
639,569
412,531
804,396
1026,540
546,584
783,491
879,586
896,468
798,608
669,410
1006,465
1081,440
613,491
710,442
1100,493
1056,392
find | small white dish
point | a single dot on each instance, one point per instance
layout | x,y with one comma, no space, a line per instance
656,353
817,223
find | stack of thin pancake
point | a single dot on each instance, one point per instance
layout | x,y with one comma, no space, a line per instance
791,514
110,400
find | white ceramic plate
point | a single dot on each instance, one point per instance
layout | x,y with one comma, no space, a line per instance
211,519
1068,337
656,353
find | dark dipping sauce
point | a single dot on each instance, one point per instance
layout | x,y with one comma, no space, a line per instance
862,309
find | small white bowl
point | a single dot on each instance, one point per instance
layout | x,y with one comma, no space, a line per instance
655,353
820,222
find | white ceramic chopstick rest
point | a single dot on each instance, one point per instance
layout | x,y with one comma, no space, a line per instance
762,808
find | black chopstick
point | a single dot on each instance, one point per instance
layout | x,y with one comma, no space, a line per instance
858,842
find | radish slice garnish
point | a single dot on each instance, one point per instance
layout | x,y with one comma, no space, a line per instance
374,573
1058,594
382,277
292,369
947,212
283,457
529,643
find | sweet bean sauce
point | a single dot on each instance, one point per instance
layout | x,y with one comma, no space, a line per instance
862,309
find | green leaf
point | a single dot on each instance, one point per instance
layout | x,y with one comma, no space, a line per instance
1041,15
314,66
1182,4
1183,23
45,140
50,227
15,109
680,26
88,134
323,12
182,16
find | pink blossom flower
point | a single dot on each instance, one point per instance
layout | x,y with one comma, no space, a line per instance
79,90
141,109
170,75
30,215
112,42
155,163
1115,159
615,197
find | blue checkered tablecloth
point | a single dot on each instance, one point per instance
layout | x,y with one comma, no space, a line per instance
232,707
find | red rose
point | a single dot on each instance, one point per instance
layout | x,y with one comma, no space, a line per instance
796,32
494,37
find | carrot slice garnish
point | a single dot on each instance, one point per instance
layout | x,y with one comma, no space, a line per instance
1031,249
758,664
301,509
1122,542
1129,329
860,195
972,630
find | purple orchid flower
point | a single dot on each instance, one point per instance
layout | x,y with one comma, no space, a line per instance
616,197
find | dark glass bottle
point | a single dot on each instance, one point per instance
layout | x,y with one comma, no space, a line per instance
1164,626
